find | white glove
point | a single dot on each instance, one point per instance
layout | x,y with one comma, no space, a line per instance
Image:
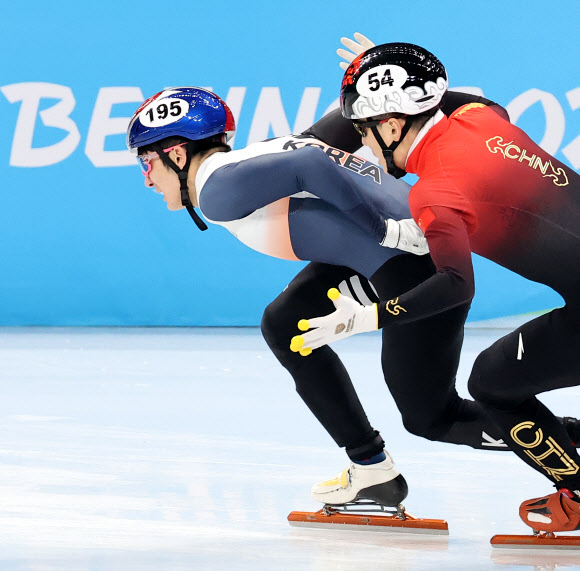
405,235
349,319
357,46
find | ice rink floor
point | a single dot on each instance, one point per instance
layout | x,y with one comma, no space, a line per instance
170,449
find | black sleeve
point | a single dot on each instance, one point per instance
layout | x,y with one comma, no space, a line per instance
453,284
336,131
453,100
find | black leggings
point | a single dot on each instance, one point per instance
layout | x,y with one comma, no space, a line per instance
419,360
539,356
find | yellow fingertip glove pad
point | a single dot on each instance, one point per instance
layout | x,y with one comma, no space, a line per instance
296,343
333,294
303,325
305,352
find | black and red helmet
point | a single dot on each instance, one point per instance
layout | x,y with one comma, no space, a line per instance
392,78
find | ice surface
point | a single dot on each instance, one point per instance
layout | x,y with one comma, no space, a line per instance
187,448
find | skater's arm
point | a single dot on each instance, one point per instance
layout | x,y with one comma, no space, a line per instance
336,131
453,100
238,189
452,285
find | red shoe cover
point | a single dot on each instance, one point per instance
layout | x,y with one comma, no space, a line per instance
553,513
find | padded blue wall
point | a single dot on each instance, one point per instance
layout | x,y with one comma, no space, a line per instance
83,242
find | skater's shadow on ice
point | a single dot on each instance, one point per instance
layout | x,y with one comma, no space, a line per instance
333,541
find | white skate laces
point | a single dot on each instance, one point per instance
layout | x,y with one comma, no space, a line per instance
353,480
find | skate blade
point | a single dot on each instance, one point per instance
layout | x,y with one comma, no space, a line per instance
540,541
362,522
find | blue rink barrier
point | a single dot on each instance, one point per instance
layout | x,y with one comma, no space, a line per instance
83,242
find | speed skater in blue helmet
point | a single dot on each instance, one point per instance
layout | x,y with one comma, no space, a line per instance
172,128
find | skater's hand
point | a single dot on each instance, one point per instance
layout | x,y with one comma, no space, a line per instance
405,235
357,46
349,319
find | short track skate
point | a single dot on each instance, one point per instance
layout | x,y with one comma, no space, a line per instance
538,540
558,512
367,515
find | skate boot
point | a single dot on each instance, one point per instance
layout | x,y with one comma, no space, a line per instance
380,483
556,512
366,497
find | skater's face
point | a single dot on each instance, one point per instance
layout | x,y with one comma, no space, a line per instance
390,131
369,140
163,179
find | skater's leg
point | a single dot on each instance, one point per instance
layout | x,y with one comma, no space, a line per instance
423,385
541,355
321,379
420,363
325,386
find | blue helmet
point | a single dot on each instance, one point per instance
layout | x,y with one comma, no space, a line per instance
189,112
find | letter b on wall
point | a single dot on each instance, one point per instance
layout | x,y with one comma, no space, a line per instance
30,94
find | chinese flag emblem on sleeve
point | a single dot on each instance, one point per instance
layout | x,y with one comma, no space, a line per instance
425,219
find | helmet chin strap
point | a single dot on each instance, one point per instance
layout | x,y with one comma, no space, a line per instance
182,175
388,150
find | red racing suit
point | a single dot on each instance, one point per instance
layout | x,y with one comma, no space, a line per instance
486,187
